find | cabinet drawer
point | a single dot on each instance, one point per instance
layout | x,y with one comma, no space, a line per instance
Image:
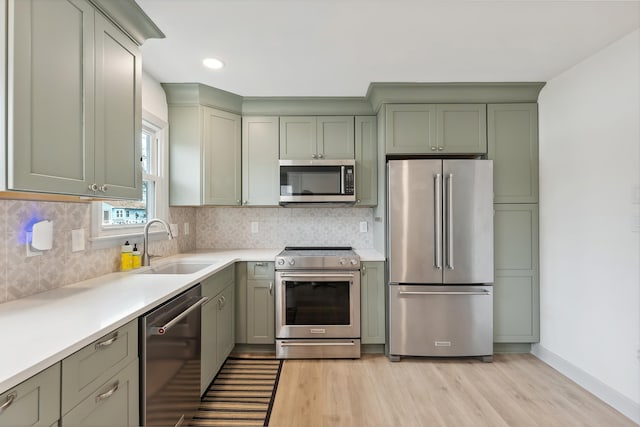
114,403
213,285
34,402
260,270
87,369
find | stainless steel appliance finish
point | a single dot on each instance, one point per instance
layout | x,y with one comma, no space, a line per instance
317,303
440,238
317,181
441,320
170,361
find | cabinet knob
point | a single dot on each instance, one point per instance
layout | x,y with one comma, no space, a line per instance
320,156
238,201
246,202
93,187
358,201
315,156
433,148
440,148
103,188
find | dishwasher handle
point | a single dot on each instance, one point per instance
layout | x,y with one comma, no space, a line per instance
161,330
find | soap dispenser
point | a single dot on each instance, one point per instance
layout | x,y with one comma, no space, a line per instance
136,257
126,257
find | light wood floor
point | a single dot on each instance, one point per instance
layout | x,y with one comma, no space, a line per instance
514,390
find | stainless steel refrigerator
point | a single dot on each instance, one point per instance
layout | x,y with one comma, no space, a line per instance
440,252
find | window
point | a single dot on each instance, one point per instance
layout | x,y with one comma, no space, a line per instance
115,220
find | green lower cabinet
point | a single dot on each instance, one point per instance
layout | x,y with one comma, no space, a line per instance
34,402
516,287
115,403
372,303
260,312
217,324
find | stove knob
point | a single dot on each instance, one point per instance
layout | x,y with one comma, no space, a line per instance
354,261
292,261
280,261
342,261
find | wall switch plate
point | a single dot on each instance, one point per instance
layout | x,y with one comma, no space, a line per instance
77,240
174,230
363,226
186,228
254,227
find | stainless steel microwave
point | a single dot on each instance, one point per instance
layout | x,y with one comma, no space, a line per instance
317,181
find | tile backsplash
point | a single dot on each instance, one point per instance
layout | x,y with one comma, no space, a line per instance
21,276
279,227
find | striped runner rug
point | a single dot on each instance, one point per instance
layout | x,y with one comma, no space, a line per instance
242,394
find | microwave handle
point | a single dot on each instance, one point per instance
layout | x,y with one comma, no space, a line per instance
342,179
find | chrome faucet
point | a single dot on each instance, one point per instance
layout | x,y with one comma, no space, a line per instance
146,258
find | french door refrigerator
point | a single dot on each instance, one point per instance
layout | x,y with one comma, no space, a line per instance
440,252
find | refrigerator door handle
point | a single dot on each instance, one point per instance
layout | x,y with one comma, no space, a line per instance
450,221
444,293
437,223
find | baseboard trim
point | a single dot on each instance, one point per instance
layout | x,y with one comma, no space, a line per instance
613,398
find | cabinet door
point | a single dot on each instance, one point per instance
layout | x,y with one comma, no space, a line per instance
208,345
116,403
35,402
516,288
260,172
410,128
335,137
51,69
462,128
513,145
260,312
225,331
298,138
118,113
221,151
372,303
366,137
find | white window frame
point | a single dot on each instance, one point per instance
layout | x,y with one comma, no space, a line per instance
112,236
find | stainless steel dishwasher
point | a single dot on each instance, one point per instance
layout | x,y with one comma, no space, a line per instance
170,360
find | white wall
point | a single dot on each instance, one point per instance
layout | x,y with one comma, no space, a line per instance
589,245
154,99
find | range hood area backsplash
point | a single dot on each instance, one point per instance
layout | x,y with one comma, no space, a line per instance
22,276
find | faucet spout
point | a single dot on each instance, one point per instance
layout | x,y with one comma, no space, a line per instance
146,257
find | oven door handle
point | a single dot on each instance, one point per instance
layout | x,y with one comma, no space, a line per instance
315,344
321,276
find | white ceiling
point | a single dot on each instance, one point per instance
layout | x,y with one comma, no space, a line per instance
338,47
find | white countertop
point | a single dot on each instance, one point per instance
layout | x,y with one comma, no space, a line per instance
42,329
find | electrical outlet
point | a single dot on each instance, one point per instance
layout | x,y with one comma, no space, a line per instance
363,226
186,228
254,227
174,229
77,240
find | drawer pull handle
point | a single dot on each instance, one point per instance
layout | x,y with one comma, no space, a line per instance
106,343
10,399
270,288
108,394
260,264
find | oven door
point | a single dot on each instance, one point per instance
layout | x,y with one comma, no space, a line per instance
318,304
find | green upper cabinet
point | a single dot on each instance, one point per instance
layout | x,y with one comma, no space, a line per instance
222,161
322,137
260,176
366,145
75,105
204,155
513,145
436,129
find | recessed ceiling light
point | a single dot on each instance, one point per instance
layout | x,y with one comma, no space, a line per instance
213,63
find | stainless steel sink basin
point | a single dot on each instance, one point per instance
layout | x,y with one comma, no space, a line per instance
178,267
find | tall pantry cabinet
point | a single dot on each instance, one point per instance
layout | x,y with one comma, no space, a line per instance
74,103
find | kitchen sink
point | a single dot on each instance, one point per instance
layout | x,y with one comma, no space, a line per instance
178,267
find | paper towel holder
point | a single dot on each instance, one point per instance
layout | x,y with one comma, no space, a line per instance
40,238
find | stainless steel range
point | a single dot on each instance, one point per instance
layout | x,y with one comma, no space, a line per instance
317,303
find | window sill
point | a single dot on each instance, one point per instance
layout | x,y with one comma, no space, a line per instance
117,240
